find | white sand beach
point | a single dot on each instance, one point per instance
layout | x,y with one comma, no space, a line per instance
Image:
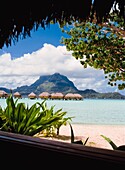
115,132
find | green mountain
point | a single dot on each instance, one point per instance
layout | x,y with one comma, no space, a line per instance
49,83
60,83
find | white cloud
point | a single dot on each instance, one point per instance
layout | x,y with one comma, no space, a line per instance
48,60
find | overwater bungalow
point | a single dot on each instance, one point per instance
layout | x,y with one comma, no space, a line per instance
32,95
44,95
3,94
57,95
78,96
17,95
73,96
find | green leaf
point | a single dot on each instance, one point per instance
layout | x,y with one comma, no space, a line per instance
110,142
72,134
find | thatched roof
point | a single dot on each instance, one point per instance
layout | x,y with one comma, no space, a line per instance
32,95
18,19
75,96
17,94
44,95
57,95
3,93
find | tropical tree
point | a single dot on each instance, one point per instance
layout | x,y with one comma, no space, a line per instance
100,45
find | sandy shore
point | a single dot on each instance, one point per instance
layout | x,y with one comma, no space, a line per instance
115,132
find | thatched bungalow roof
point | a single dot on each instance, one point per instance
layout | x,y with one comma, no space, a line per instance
57,95
44,95
73,96
18,19
78,96
3,94
32,95
17,95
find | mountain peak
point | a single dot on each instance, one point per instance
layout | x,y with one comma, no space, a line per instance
51,83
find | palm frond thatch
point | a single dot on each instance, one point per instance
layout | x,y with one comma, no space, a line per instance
18,19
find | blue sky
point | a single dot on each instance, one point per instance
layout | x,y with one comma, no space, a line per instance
43,54
51,35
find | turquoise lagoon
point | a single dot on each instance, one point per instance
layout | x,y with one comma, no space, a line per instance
87,111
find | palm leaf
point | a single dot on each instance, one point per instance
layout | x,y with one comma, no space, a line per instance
35,128
86,141
72,134
110,142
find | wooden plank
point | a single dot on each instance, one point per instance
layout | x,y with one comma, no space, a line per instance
26,151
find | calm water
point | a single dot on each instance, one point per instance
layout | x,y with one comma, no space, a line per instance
87,111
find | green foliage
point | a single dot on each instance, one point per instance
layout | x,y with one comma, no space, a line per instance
73,138
113,145
19,118
100,46
55,126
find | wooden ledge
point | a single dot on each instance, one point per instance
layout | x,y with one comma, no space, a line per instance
36,152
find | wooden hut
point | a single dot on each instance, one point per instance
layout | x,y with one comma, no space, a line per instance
57,95
44,95
78,96
3,94
69,96
73,96
32,95
17,95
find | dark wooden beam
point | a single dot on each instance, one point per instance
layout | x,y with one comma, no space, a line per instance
26,152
